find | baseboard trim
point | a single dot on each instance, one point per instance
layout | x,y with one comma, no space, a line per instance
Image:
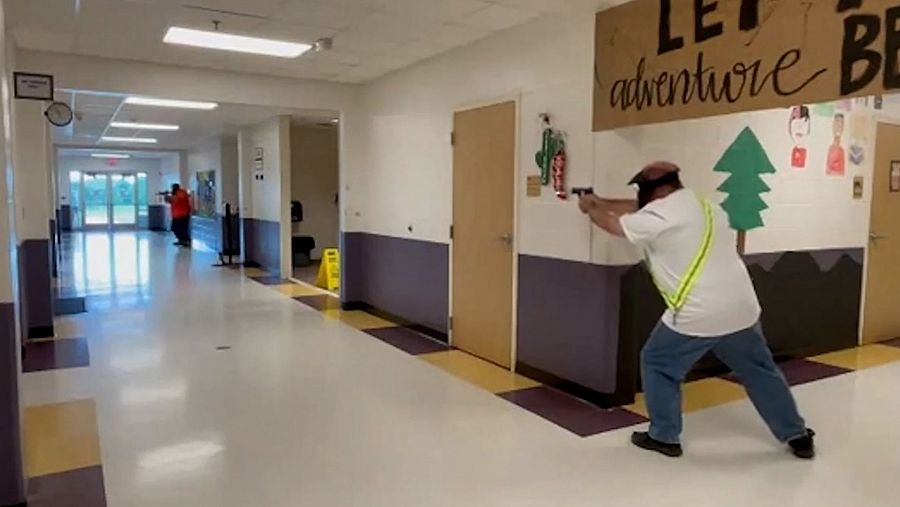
427,331
38,332
602,400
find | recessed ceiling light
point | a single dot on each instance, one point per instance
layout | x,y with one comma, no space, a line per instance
231,42
111,155
143,126
335,120
178,104
138,140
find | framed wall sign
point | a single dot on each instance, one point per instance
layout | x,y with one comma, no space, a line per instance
258,159
33,86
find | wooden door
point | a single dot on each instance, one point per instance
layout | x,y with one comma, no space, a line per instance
881,320
483,226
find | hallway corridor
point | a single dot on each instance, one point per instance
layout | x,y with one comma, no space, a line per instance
205,387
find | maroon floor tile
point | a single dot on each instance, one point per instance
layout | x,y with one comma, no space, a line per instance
56,355
323,302
802,371
408,340
573,414
77,488
270,280
892,343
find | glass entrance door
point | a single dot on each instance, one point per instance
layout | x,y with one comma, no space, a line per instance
108,200
124,200
96,200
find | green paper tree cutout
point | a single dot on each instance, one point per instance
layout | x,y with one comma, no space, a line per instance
745,160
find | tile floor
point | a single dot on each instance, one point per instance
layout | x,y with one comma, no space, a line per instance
331,408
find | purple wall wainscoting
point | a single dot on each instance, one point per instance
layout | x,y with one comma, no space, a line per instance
568,320
403,277
208,230
35,288
12,483
262,243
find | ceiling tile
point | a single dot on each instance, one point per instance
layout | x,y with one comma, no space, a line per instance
391,28
261,8
44,40
50,15
335,15
546,6
201,20
499,17
418,10
275,29
451,35
357,42
419,50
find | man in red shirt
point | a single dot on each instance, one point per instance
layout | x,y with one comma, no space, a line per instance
180,203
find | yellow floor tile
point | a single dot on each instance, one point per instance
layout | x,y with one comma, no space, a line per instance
358,319
486,375
698,395
61,437
255,272
295,290
869,356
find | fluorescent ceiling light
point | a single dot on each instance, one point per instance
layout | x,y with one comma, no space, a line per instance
238,43
142,126
111,155
178,104
139,140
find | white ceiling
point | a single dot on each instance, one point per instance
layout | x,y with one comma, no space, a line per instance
95,110
371,37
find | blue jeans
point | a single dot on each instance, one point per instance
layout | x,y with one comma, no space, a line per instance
668,356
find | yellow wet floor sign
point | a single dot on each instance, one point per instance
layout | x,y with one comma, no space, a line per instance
330,270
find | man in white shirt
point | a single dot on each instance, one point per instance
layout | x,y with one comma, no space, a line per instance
689,249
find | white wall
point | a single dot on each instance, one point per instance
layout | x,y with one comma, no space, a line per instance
314,182
8,240
268,198
808,209
32,175
400,162
227,191
400,167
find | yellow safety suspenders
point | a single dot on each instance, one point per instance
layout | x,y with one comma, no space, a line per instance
675,301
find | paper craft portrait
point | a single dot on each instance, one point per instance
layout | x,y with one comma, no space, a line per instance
837,158
799,128
859,137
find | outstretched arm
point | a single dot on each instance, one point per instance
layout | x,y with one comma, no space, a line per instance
607,213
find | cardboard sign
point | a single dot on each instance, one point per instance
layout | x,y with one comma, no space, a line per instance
533,186
329,277
664,60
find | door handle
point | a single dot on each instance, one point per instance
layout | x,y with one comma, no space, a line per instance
874,236
506,239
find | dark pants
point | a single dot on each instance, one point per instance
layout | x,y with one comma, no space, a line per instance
182,228
668,356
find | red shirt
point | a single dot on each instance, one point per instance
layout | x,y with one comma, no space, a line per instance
181,204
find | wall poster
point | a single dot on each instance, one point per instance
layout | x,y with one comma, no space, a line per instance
665,60
205,194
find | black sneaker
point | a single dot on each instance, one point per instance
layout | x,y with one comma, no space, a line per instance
645,441
804,447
